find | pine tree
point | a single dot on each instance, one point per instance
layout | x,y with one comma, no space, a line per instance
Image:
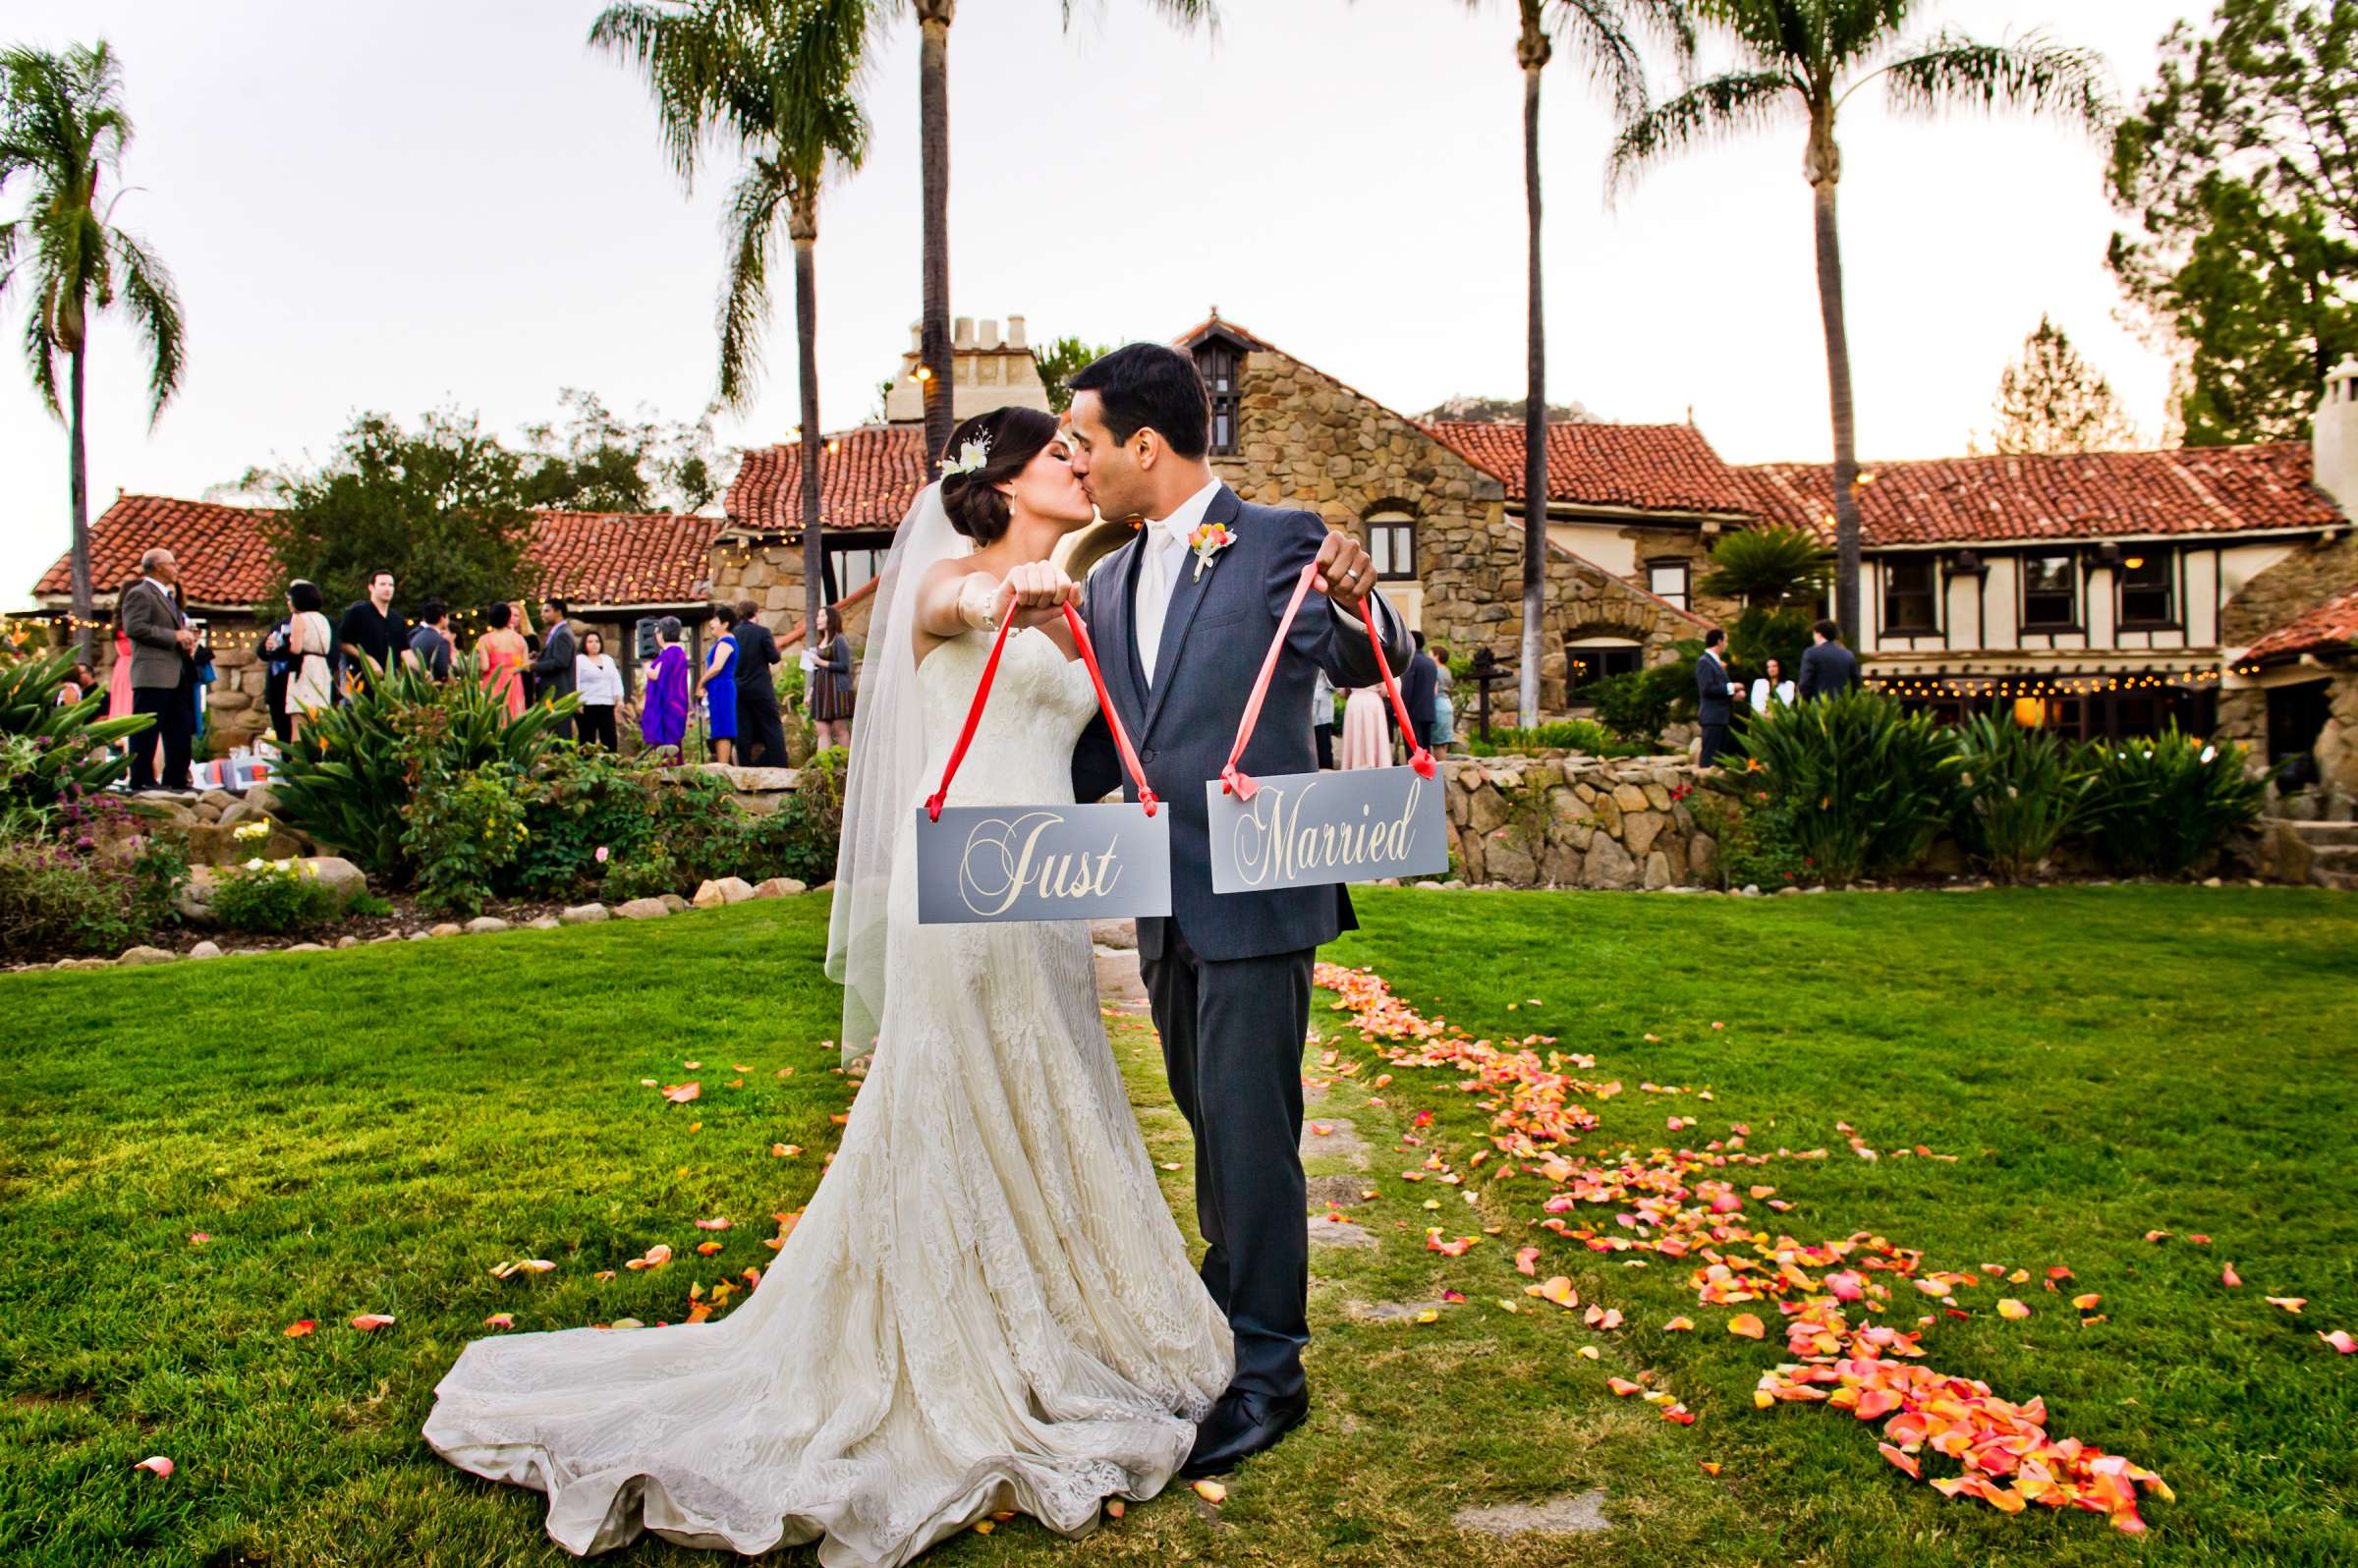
2051,400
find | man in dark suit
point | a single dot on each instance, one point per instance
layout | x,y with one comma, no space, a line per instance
1227,976
552,666
1420,684
1714,707
1828,668
760,727
430,639
163,673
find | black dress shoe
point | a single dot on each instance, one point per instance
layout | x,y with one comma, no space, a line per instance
1243,1424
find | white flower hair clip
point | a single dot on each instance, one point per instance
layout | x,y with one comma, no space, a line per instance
970,459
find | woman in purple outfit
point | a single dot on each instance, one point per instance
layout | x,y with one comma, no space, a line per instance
663,713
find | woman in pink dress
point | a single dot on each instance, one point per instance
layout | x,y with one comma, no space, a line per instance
503,654
1367,737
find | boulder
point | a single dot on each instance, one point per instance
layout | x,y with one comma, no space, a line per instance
1506,860
674,903
242,812
643,909
778,887
137,957
724,891
1657,872
542,922
584,914
195,900
485,926
446,929
85,963
1607,864
205,949
306,947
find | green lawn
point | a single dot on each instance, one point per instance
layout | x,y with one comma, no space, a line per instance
372,1131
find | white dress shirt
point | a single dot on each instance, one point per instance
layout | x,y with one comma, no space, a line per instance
1761,692
1165,547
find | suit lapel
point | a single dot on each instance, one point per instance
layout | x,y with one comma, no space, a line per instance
1128,679
1186,598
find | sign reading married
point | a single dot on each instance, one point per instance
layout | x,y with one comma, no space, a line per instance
1041,863
1299,830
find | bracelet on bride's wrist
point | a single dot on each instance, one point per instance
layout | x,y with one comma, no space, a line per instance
976,597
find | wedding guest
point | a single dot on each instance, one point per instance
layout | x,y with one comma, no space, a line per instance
553,665
163,673
663,707
1770,685
84,681
1714,707
278,667
719,686
598,684
118,676
503,656
1445,702
1321,718
430,639
1367,729
1828,668
310,649
760,727
829,666
372,633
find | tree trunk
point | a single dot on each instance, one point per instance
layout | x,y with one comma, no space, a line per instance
933,117
78,481
1824,169
805,225
1533,53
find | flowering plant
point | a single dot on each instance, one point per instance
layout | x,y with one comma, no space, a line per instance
1208,541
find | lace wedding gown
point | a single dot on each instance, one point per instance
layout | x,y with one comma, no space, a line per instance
986,1304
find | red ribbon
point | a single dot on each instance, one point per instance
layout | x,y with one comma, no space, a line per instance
1097,677
1234,781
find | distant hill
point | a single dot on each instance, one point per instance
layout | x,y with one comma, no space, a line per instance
1503,411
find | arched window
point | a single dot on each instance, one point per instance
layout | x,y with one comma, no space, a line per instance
1392,543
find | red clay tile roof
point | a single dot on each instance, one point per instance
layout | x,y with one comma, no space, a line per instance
867,481
1652,468
2332,625
219,548
1969,500
590,558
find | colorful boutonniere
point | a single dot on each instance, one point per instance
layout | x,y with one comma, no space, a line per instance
1208,541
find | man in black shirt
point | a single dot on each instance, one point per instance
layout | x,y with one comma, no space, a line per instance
371,629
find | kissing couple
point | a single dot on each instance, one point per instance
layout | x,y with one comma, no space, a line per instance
987,1305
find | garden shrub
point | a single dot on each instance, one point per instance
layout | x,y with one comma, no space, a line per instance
582,810
60,894
464,832
2161,802
272,898
1758,846
1636,704
2020,794
54,752
347,777
1584,736
1866,783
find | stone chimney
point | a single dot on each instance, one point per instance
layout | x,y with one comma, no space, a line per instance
2335,441
987,368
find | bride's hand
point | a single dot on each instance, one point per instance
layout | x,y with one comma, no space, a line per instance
1034,592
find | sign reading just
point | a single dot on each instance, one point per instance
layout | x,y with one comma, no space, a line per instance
1302,829
1041,863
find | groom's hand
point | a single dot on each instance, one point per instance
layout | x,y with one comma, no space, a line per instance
1346,575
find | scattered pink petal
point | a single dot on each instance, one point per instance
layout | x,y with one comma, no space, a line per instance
155,1463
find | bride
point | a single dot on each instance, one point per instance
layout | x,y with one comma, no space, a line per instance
986,1304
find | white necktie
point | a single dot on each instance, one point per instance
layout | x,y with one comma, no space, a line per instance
1154,594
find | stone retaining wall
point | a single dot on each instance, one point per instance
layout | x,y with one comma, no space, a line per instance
1579,822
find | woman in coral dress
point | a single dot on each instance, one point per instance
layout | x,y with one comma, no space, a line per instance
503,654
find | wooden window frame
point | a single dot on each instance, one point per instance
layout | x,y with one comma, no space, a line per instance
2072,622
1930,594
1404,531
2164,562
1684,598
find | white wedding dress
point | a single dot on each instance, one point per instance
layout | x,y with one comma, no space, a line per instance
985,1306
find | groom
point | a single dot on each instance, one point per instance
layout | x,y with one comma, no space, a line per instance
1181,631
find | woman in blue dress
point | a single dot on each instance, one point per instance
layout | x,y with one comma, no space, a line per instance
719,686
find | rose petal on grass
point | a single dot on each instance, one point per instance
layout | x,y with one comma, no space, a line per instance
1746,1324
707,1249
369,1323
2008,1307
1211,1491
500,1320
1680,1413
300,1327
2340,1340
1900,1457
1678,1326
1623,1386
1709,1467
2087,1303
1527,1261
2230,1278
155,1463
197,1238
682,1093
2291,1304
1115,1508
712,1224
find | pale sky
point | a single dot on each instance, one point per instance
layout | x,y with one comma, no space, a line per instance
400,208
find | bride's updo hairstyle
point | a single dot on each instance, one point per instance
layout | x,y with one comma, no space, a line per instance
1014,437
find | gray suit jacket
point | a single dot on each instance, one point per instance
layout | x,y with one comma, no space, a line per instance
149,620
553,669
1213,638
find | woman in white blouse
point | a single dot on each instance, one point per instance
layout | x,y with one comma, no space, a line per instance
599,685
1771,684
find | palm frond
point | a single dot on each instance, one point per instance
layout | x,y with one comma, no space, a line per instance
154,306
40,352
1954,71
1721,107
754,203
1186,13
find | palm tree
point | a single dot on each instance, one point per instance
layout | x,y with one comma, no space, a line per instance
1604,32
1766,568
934,18
778,80
1803,60
62,127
